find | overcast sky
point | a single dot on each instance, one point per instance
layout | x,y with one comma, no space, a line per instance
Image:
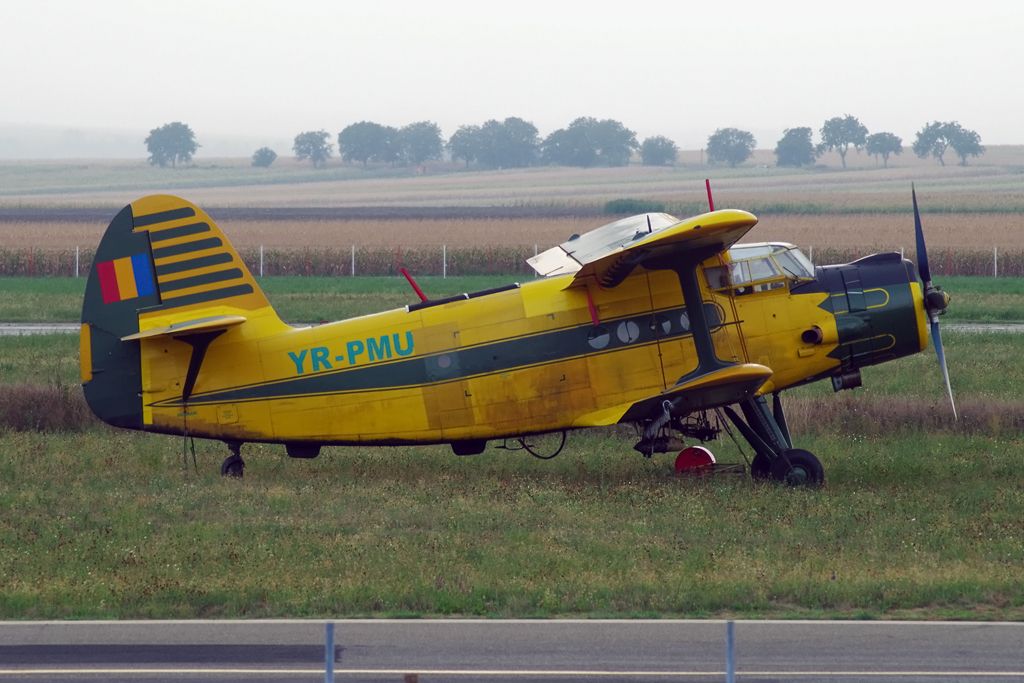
681,69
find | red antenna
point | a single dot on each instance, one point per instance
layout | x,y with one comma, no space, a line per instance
412,283
711,202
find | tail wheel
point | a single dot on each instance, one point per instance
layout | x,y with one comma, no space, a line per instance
797,467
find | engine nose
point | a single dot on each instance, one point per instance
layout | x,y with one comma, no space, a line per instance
879,309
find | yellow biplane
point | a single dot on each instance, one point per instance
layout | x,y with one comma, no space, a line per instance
650,320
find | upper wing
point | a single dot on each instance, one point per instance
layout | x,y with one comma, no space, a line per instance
609,253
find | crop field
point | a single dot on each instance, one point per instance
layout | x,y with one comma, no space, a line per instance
991,183
869,232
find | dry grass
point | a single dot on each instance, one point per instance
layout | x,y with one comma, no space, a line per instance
52,407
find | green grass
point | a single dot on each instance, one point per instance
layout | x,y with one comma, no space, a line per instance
311,299
110,524
297,299
984,299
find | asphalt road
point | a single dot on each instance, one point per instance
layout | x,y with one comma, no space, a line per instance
518,650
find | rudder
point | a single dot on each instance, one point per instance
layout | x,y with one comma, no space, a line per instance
162,261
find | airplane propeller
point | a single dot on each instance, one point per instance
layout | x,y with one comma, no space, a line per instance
935,300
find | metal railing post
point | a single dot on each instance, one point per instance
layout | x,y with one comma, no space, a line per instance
76,261
444,261
730,652
329,652
353,260
261,260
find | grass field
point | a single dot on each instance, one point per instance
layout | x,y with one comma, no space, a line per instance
107,524
312,299
920,517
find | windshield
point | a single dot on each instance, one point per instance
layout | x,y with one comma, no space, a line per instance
759,263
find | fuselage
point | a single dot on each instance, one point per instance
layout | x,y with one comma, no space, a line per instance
526,359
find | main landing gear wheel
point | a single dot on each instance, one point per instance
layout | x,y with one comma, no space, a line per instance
797,467
233,465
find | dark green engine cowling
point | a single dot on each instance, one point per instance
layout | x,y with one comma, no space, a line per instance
877,317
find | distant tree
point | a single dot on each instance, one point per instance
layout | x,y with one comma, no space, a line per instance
368,140
313,145
795,148
937,136
883,145
965,142
512,143
570,146
840,132
730,146
931,141
590,142
171,143
420,141
465,144
263,157
658,151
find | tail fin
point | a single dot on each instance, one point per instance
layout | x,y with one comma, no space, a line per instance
162,263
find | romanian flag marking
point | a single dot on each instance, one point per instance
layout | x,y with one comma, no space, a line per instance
125,278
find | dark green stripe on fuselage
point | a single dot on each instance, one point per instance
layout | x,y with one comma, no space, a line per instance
462,363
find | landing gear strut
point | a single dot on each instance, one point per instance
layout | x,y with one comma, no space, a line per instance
768,434
233,465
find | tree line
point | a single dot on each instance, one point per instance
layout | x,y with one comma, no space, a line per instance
840,133
585,142
511,143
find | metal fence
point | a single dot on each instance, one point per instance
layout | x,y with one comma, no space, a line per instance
444,260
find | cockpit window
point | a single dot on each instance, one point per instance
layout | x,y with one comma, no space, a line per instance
765,266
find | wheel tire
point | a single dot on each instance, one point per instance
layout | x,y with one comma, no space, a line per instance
797,467
760,467
233,466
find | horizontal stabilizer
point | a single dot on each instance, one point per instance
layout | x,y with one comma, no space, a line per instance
189,327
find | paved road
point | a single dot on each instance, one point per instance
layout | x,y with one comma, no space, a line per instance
464,650
14,329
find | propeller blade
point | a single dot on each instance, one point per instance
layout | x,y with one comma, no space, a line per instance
937,341
922,251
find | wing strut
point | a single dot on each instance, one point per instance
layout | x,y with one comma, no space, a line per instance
707,361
